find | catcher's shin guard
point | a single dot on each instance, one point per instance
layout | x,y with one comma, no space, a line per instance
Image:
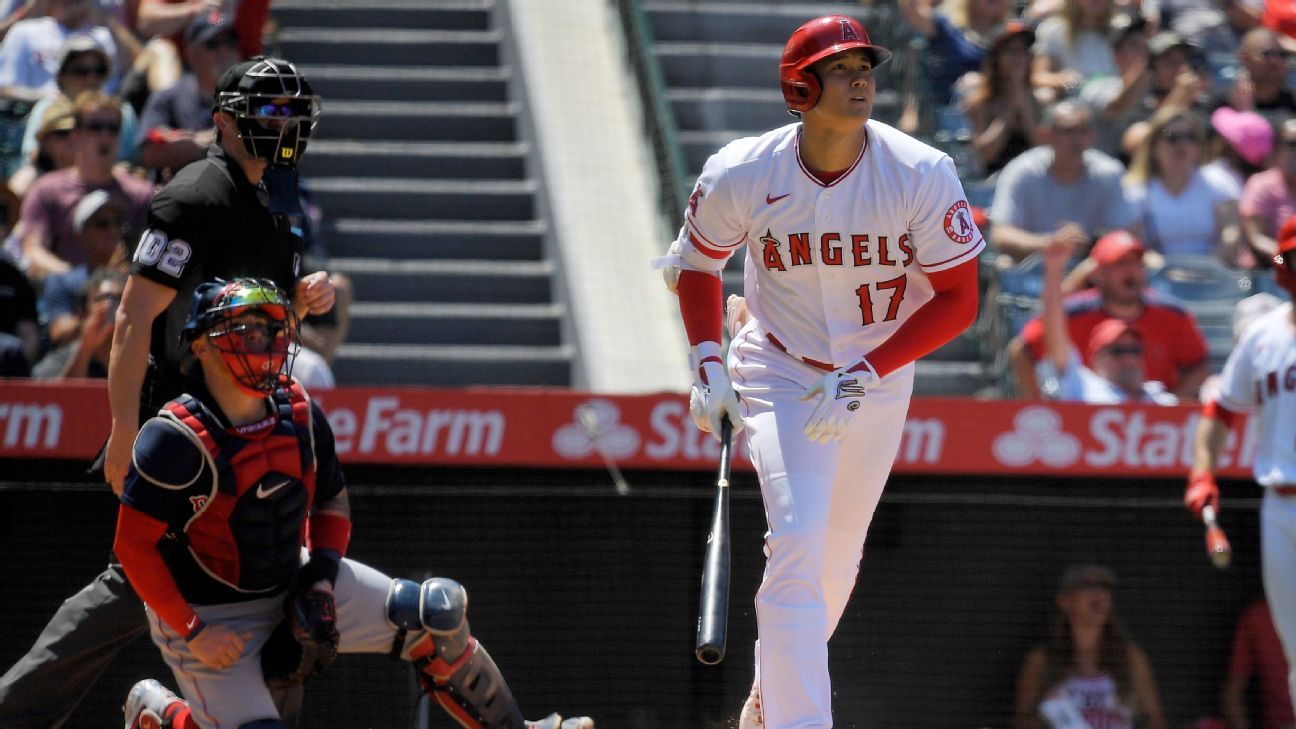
452,667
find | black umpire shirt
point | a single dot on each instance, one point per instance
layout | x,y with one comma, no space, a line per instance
208,222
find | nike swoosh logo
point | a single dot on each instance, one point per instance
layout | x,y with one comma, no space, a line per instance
771,200
263,492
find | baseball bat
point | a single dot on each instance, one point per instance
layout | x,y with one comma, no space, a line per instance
713,606
1217,545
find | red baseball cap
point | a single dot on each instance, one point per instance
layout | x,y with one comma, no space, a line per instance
1108,332
1287,235
1114,246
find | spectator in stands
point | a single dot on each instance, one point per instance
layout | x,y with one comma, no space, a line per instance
1088,662
1261,82
1002,107
1072,48
48,240
17,10
957,34
171,17
1179,210
83,66
19,331
54,150
87,354
1258,654
168,20
1062,190
1267,198
1207,24
1118,101
29,55
176,126
1280,16
1174,350
98,222
1241,142
1115,348
1177,82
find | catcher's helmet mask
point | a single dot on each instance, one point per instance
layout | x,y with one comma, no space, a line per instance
813,42
273,106
251,323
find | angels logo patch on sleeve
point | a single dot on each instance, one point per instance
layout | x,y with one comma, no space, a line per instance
958,223
693,199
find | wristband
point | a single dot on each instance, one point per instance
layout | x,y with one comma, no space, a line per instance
328,530
196,630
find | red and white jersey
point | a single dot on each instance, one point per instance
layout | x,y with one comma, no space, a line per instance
1260,376
832,269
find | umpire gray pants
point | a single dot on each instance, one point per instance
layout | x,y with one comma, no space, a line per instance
45,686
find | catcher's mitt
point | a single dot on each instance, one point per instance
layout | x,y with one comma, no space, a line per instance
305,643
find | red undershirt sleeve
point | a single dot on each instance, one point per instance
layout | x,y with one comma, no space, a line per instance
945,316
1213,409
701,305
136,546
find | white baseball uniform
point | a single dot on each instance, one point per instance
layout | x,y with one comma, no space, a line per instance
1260,377
831,271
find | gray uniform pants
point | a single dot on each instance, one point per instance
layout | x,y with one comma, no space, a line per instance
43,688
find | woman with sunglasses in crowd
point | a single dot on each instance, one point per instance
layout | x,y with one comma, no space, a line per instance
83,66
1180,210
53,150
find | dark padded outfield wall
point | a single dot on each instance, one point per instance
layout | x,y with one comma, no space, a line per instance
587,600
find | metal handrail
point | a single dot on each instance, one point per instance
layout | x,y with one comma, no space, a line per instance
659,119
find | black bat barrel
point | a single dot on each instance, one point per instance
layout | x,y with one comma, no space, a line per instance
713,605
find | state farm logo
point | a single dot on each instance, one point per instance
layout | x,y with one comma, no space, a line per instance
596,426
31,425
1037,436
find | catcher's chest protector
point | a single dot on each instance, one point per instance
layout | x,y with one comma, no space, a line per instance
249,519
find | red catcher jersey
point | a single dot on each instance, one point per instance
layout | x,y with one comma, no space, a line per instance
832,269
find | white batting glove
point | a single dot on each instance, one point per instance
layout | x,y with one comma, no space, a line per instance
840,393
713,396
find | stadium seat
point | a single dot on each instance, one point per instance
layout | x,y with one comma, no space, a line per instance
1200,279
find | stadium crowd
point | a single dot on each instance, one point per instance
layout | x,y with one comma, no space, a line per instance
101,102
1171,122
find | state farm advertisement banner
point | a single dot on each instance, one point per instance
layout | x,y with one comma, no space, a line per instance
562,429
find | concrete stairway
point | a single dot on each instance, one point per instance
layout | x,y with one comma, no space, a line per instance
719,60
424,182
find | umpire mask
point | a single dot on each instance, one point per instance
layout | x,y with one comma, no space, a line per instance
274,107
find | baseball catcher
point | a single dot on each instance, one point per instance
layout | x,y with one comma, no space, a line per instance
226,484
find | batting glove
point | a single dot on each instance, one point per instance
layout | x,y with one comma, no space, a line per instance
1202,491
713,396
840,393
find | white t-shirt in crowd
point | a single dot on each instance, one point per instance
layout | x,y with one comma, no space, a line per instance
1182,224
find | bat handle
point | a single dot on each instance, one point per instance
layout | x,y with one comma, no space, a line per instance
1208,515
726,448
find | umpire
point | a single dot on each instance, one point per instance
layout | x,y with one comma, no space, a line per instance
226,216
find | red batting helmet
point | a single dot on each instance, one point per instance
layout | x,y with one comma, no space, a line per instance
1284,262
813,42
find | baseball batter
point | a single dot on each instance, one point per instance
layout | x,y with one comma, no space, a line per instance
1260,377
860,258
